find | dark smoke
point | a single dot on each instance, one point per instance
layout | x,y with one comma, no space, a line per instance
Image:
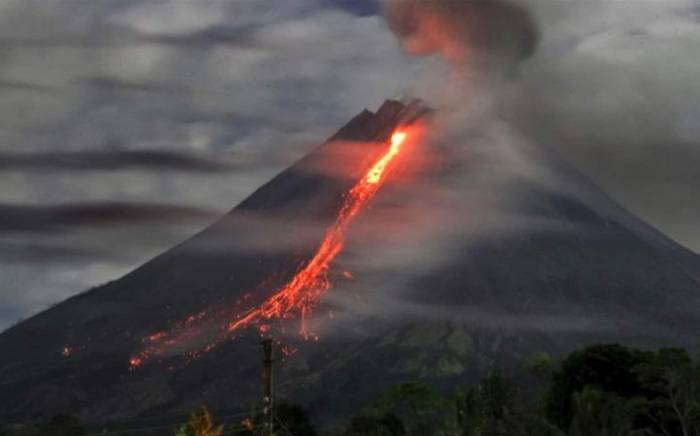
487,34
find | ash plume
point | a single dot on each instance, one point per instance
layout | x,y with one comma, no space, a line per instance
487,34
484,155
586,79
477,172
499,181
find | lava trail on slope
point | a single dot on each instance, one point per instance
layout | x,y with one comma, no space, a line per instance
296,298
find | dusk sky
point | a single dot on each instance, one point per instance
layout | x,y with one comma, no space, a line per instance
128,125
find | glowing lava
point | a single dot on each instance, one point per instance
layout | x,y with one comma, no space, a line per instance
301,294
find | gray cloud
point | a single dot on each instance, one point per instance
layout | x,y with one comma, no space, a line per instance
115,160
28,253
18,85
74,234
25,218
242,37
111,84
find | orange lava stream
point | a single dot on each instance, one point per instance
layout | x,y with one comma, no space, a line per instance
301,294
304,290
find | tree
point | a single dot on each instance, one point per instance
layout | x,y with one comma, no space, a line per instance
290,419
420,408
608,368
493,408
597,413
539,426
673,385
543,366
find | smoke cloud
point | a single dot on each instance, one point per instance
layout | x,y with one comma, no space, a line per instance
607,85
502,179
488,34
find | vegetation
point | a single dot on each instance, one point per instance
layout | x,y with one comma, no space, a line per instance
200,424
407,409
289,419
601,390
627,392
492,408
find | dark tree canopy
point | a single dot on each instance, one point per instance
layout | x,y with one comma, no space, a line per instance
608,368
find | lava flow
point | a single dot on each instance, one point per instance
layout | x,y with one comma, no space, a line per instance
304,290
301,294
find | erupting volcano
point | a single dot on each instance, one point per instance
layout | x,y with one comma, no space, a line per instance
302,293
593,273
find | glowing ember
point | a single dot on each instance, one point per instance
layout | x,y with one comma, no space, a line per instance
135,362
156,336
288,351
301,294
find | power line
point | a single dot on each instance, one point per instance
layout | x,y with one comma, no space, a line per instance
171,424
227,430
180,416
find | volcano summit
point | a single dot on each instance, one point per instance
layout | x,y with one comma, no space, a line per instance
596,273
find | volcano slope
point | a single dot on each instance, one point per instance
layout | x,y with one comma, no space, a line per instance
603,275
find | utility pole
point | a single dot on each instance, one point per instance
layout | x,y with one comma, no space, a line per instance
268,393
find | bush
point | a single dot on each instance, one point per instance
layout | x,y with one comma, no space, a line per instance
201,423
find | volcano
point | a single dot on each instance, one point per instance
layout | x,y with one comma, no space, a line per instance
603,275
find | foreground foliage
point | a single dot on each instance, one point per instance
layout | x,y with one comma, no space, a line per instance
601,390
200,424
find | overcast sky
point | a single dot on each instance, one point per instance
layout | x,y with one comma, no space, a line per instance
127,125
